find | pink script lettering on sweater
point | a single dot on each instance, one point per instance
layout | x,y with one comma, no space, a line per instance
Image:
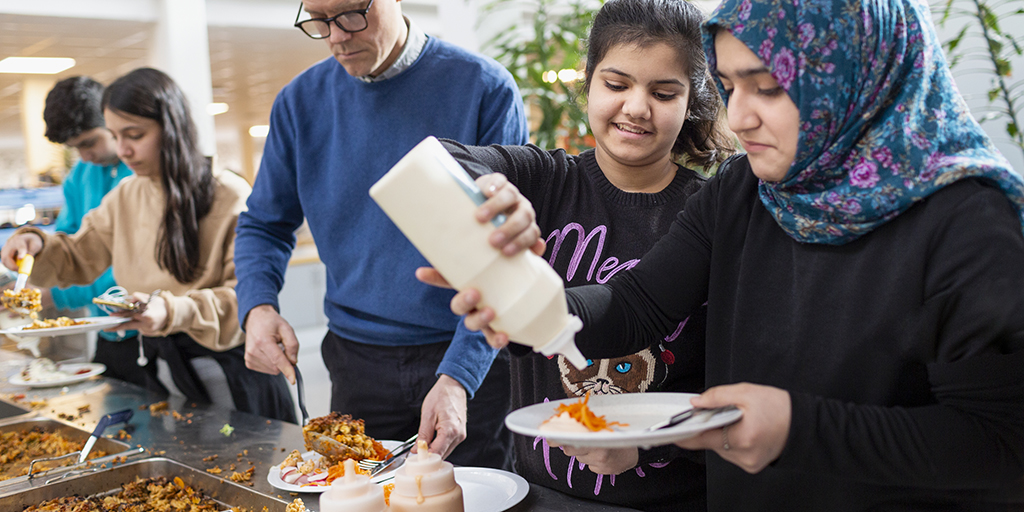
608,268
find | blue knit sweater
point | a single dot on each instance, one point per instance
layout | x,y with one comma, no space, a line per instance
332,137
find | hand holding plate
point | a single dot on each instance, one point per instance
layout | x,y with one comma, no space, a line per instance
757,439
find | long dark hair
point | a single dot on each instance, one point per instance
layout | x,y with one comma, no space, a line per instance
702,141
184,171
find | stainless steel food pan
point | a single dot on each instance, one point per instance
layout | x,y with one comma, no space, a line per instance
105,481
110,446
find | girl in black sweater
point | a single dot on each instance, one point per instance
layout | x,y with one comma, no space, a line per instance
650,103
862,268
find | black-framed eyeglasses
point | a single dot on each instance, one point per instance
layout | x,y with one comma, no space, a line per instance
348,21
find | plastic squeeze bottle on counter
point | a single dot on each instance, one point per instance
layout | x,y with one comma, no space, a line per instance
425,483
431,199
353,493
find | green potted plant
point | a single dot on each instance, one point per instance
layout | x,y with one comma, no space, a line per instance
983,45
546,58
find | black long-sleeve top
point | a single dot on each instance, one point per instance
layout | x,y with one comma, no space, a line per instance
901,351
594,230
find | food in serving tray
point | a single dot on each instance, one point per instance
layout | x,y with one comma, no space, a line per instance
61,321
425,483
45,370
577,417
338,437
143,495
26,298
19,448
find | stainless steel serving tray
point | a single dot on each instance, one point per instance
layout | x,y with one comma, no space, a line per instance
110,446
104,481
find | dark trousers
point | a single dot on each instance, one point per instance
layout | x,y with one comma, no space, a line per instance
252,391
119,357
385,386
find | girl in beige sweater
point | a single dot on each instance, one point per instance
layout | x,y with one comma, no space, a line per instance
167,232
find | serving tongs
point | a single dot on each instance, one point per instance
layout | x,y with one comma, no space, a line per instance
23,306
79,465
330,448
301,391
376,466
117,299
74,469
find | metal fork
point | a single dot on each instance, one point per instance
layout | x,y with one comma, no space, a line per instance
376,466
687,414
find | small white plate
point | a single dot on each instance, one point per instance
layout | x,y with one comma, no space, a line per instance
96,323
274,475
490,490
88,370
637,410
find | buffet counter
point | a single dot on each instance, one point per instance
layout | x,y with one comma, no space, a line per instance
196,435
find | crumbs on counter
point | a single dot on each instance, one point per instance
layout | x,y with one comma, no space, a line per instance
163,409
244,476
211,458
214,470
83,409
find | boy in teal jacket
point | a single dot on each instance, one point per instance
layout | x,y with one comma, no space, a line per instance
74,118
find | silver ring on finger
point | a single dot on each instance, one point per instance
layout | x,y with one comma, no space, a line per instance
725,438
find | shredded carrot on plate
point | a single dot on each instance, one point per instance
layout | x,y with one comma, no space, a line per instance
581,413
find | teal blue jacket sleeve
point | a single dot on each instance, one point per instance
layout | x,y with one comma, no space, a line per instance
78,296
70,217
84,188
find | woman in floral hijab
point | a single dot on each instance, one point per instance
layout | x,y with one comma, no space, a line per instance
882,125
862,265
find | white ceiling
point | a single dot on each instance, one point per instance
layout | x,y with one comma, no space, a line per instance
248,65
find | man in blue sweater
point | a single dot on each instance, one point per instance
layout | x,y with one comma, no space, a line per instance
334,131
74,118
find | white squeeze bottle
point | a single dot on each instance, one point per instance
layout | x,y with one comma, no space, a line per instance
353,493
431,199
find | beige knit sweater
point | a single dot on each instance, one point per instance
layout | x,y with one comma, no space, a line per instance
123,231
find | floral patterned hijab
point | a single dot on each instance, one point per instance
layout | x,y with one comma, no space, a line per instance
881,122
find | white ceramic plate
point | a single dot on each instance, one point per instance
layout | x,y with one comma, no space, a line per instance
87,370
638,410
490,490
96,323
274,475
